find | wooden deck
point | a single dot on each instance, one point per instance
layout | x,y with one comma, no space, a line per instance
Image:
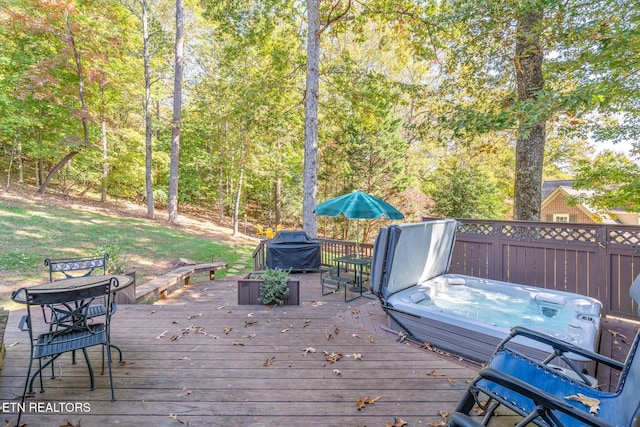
199,359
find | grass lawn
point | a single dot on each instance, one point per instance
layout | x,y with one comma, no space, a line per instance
33,232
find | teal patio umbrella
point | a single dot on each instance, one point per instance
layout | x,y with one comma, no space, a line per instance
358,205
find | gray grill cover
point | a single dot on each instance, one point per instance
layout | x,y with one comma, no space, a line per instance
293,250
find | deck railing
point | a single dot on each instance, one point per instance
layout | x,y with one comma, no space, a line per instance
597,260
330,249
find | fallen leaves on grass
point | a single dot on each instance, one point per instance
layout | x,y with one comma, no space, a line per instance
365,400
590,402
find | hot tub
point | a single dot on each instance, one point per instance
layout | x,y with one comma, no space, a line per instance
467,315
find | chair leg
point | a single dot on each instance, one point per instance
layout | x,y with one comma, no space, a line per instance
108,348
24,391
86,357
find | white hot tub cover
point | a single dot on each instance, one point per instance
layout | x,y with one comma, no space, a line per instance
408,254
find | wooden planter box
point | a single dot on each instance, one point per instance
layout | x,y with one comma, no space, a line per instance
249,291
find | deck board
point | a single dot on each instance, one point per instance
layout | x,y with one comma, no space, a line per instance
182,365
180,361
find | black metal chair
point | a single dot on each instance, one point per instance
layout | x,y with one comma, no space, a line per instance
83,267
541,394
66,328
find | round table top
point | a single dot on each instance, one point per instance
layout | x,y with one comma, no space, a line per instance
76,282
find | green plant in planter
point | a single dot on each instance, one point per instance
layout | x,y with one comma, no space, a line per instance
274,287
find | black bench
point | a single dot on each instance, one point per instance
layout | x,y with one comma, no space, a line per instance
81,267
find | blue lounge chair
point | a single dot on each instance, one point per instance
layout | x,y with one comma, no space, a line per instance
539,393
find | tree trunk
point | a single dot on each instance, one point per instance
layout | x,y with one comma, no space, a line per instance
85,115
236,207
531,136
105,164
19,157
59,166
147,112
221,176
310,186
177,110
277,196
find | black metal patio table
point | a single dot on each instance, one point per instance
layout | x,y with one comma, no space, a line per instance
359,264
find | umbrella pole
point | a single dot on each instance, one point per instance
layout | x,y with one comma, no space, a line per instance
357,238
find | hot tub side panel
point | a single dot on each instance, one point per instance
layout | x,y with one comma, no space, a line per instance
463,340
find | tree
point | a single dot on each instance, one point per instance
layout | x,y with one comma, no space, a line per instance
612,180
309,201
177,111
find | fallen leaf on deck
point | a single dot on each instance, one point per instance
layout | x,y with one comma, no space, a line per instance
443,414
247,324
355,311
593,404
14,344
68,424
355,335
434,374
337,372
427,346
332,357
222,306
364,400
175,337
227,330
451,381
175,417
269,361
329,336
238,343
336,330
284,330
357,356
250,336
185,392
194,315
372,339
316,303
441,423
162,335
397,422
185,358
308,350
402,336
616,334
306,323
250,315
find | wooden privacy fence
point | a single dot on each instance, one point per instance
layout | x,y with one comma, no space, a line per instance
597,260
